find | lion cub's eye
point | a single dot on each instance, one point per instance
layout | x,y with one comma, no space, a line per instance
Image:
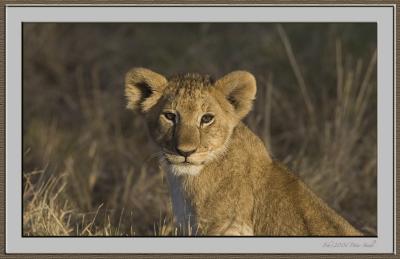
207,118
170,116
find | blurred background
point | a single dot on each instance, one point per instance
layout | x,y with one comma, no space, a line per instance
88,163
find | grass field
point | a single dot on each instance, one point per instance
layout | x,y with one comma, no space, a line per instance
89,167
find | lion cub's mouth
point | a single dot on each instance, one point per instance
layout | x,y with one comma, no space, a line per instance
195,159
178,165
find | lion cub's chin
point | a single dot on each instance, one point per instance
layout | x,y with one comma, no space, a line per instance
178,169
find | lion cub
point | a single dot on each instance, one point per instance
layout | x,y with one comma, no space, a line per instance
222,179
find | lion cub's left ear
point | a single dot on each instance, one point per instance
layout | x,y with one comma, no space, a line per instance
143,88
239,88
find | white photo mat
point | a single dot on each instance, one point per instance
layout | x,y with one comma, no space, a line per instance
382,15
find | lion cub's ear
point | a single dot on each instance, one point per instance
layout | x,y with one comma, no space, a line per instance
239,88
143,88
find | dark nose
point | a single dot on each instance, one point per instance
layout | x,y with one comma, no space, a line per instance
185,153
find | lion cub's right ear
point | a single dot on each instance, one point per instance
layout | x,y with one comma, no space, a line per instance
143,88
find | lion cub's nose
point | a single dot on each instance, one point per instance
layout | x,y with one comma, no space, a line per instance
185,152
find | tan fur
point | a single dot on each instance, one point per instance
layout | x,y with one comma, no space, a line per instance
223,180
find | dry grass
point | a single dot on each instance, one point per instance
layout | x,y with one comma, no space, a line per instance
89,167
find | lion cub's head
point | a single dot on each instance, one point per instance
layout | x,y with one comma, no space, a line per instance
190,116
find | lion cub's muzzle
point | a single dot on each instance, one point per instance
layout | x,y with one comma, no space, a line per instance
186,155
186,143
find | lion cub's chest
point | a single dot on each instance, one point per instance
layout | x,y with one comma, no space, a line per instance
223,219
183,212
